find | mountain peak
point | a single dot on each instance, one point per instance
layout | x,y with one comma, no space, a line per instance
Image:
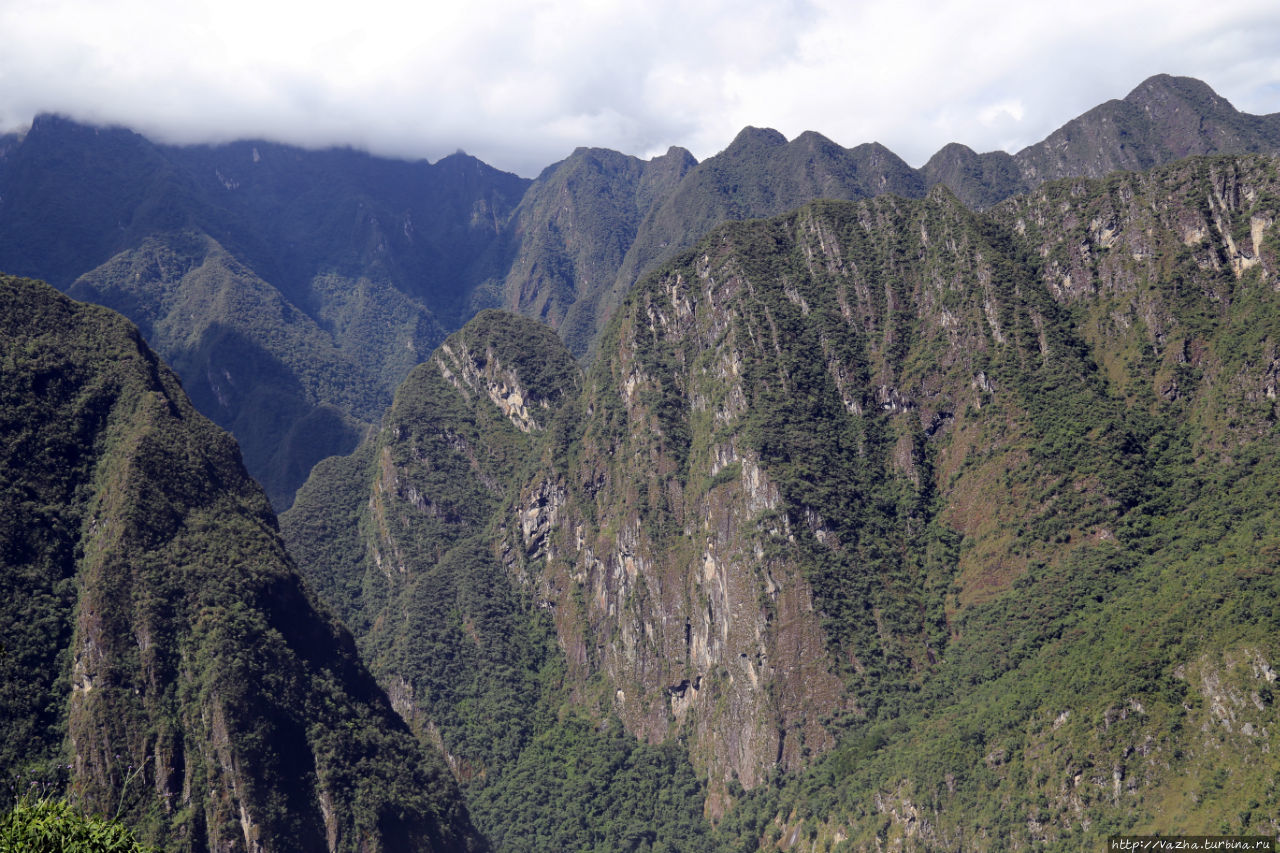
754,137
1158,93
952,151
676,153
812,139
877,152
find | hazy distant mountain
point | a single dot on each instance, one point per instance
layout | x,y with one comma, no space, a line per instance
1164,119
300,287
759,174
573,229
292,289
979,180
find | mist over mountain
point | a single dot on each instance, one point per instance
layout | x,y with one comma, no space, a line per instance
293,290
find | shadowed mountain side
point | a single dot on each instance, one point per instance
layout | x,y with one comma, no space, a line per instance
162,659
75,195
430,229
283,430
252,361
381,257
573,229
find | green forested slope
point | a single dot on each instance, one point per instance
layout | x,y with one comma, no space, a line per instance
907,525
403,537
1110,633
161,660
1075,397
883,522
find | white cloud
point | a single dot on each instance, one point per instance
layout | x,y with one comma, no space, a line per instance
520,84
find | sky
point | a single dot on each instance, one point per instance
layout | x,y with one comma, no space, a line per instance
522,84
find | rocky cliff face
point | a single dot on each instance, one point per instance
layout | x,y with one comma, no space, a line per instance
859,505
733,538
399,537
420,543
162,659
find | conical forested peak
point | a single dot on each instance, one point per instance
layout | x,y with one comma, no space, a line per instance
754,138
603,155
600,159
875,149
980,180
461,160
942,194
812,140
585,172
953,151
949,159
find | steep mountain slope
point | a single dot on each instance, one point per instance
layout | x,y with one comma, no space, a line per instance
393,534
574,227
160,658
400,537
911,525
1005,481
1109,664
333,243
751,511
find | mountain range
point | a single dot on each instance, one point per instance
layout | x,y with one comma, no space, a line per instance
798,500
293,290
915,526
